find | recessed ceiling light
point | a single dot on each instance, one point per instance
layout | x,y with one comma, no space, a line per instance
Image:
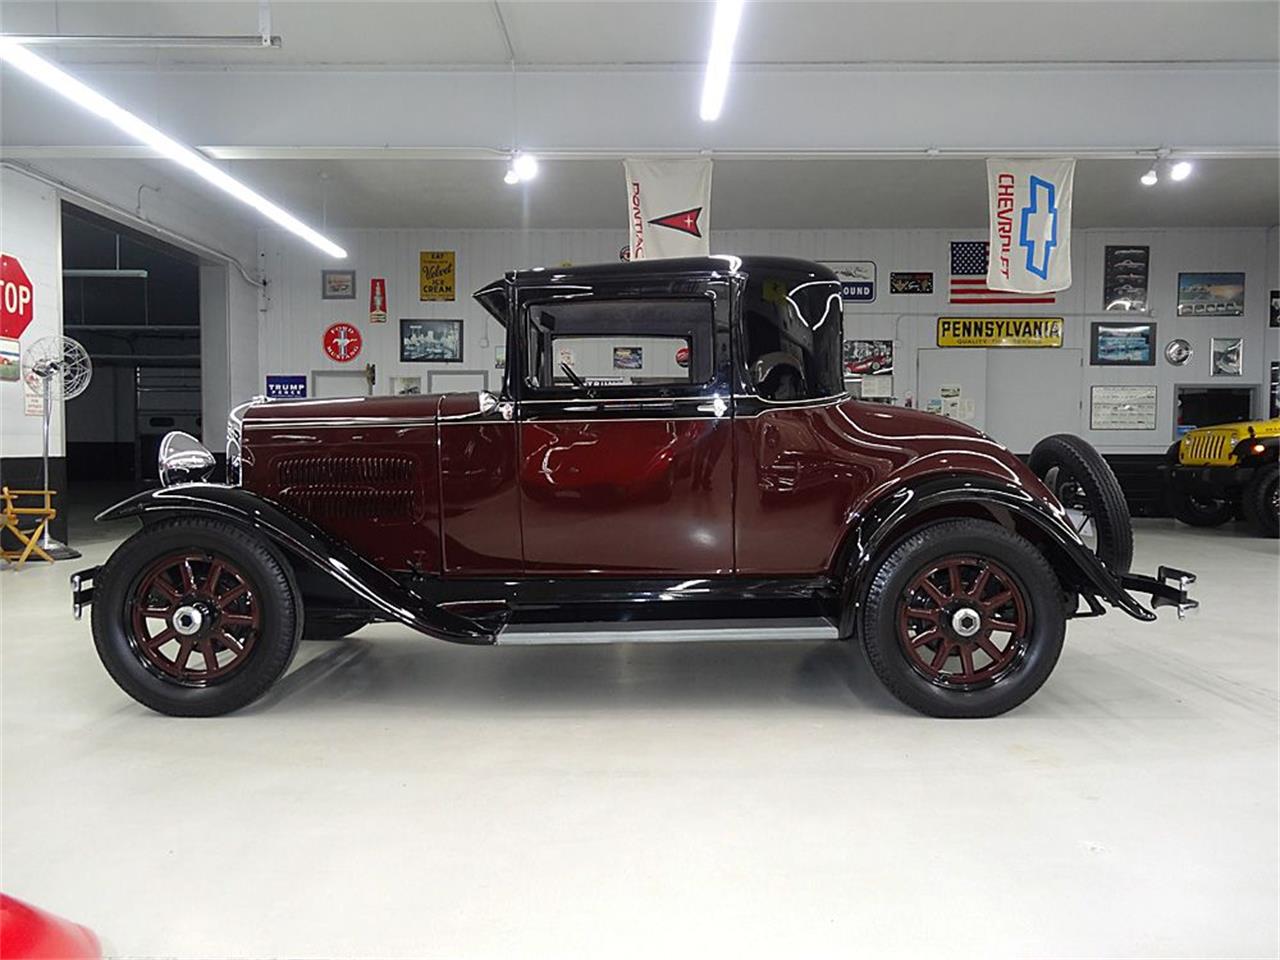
1150,178
525,166
1181,170
14,53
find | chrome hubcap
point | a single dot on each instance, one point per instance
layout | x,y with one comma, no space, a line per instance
188,620
966,621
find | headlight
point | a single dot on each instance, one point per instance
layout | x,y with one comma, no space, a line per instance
183,459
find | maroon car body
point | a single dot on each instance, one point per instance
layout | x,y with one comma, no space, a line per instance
739,482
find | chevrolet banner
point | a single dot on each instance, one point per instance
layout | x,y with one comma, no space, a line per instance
1030,208
668,208
999,331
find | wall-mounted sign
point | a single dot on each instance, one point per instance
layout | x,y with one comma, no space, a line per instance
342,342
10,359
1122,408
378,300
16,297
868,356
1275,388
337,284
430,341
1210,294
857,279
1123,344
628,358
1275,308
915,281
436,274
999,331
286,386
682,357
1125,272
1227,357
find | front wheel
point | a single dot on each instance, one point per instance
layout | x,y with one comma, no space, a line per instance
964,619
1198,511
195,618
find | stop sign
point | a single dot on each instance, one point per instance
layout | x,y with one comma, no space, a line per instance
15,297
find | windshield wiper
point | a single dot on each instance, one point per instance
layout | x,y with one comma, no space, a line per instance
569,372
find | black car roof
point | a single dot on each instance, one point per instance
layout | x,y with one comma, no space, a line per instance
676,265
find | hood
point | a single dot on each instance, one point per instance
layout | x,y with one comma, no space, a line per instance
420,407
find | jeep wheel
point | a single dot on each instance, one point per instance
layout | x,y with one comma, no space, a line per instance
1262,501
195,618
1086,486
1200,511
964,619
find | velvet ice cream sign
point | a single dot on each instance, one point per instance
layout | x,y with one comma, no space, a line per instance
1030,210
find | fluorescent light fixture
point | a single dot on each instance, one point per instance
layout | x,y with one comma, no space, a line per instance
1150,178
511,178
723,31
1180,170
15,54
525,166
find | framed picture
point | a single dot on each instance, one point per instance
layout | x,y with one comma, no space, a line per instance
337,284
431,341
500,357
1125,275
1275,308
1122,407
1227,357
1275,388
868,356
1123,345
406,386
1210,294
628,358
10,359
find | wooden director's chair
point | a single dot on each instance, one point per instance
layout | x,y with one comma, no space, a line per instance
15,515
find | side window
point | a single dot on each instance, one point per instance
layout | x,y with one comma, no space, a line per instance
793,331
659,346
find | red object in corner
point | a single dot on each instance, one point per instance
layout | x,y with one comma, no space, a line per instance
28,933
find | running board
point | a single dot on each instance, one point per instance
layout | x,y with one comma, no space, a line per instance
668,631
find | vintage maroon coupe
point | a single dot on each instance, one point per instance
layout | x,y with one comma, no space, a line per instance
716,484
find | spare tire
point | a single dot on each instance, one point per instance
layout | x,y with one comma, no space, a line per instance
1086,486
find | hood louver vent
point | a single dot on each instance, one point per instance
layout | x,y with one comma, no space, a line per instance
294,470
378,488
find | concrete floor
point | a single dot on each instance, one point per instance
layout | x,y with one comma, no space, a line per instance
397,797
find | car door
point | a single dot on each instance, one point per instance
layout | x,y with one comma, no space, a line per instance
625,434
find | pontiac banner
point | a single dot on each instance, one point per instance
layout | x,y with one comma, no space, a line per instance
1030,209
999,331
668,208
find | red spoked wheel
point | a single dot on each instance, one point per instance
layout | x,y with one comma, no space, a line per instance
963,622
195,617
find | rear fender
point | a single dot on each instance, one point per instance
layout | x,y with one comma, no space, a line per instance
303,540
898,513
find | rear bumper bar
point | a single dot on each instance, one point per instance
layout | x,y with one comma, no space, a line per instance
82,589
1168,588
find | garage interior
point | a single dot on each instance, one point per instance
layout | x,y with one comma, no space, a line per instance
394,796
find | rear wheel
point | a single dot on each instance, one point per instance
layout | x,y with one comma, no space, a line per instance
1262,501
195,617
1085,485
964,619
1200,511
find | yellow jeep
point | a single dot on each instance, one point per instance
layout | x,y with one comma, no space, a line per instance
1214,472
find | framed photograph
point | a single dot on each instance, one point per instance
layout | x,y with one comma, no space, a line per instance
868,357
1123,345
1227,357
10,359
911,281
1122,407
1210,294
1275,308
500,357
337,284
431,341
1125,275
406,386
1275,388
628,358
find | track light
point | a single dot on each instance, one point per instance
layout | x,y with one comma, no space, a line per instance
16,55
1180,170
1150,178
525,166
511,178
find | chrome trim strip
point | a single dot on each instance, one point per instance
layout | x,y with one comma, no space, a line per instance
670,631
341,422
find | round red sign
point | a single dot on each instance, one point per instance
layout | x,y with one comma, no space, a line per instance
15,297
682,357
342,342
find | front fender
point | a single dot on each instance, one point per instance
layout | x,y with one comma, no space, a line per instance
304,540
909,506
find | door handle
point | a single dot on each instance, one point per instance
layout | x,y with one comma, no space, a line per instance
716,406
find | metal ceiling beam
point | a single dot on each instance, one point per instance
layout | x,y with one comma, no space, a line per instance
158,42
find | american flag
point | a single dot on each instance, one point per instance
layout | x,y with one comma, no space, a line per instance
969,278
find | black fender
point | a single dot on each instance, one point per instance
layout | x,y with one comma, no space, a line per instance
301,538
888,520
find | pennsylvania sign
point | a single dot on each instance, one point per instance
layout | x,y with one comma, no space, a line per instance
999,331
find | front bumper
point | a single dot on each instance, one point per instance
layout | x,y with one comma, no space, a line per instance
1205,478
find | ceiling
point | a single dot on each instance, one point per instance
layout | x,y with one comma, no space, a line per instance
746,193
792,34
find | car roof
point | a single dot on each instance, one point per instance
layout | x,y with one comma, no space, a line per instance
675,265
